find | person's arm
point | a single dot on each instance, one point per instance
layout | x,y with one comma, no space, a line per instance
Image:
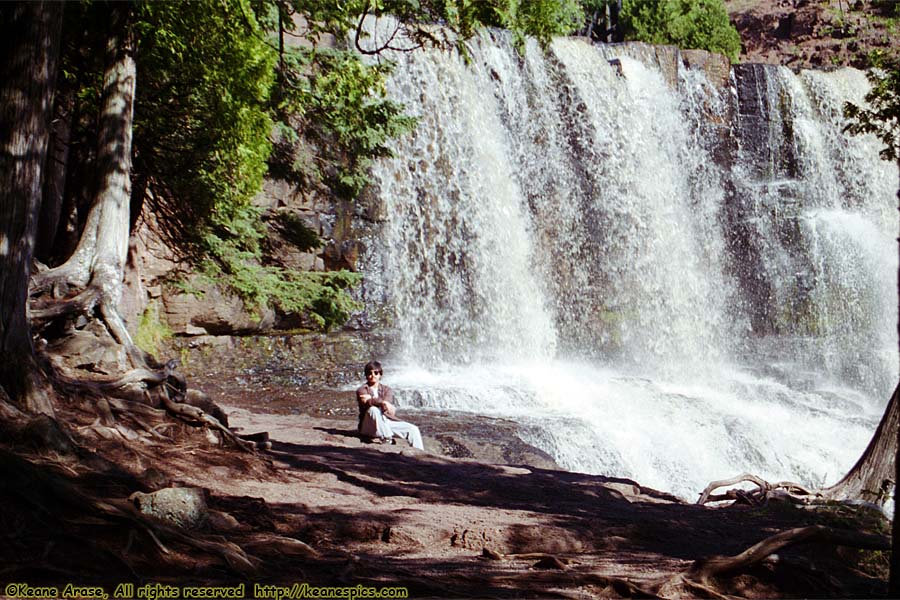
363,397
387,402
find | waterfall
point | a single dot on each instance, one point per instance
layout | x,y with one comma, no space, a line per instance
657,276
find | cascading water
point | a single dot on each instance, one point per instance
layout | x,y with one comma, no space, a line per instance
662,280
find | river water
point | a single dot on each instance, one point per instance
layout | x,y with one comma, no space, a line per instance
668,280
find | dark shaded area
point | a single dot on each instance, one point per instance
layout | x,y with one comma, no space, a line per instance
51,535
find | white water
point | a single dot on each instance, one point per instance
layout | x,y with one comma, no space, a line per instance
561,247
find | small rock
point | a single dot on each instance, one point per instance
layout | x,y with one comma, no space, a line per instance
549,562
222,521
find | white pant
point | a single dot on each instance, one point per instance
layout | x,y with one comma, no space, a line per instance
375,424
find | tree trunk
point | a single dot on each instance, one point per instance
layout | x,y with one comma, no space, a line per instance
872,477
29,44
57,170
894,581
98,262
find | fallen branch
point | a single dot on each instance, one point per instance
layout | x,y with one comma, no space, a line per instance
704,569
765,491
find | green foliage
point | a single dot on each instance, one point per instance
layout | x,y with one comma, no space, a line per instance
321,296
544,19
202,125
151,332
203,134
339,104
882,115
699,24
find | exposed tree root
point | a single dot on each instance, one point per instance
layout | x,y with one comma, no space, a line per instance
53,497
785,491
698,580
764,491
42,312
167,387
707,568
621,586
90,300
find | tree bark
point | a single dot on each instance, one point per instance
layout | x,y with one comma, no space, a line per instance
29,43
894,580
56,173
872,477
97,264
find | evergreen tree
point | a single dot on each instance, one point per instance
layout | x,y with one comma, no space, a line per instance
29,38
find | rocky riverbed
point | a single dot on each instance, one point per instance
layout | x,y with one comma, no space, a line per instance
271,376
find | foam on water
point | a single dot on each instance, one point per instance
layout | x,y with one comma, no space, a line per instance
565,245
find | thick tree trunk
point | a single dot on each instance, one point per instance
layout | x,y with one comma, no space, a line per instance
104,241
29,45
894,581
98,262
872,477
56,172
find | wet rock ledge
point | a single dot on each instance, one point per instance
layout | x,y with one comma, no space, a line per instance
313,375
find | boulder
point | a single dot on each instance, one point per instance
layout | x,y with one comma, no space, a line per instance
184,507
213,312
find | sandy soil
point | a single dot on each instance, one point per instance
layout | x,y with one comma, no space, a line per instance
392,515
323,508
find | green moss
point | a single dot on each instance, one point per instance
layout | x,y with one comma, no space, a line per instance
152,332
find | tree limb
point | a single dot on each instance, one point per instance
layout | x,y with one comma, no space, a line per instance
704,569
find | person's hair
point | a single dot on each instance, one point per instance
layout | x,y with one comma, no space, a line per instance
373,366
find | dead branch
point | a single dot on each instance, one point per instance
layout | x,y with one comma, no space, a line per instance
705,569
357,40
760,483
765,491
193,414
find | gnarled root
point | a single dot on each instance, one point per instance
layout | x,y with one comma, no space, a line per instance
787,491
168,386
703,570
764,491
697,581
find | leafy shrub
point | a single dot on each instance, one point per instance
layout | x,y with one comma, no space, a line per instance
701,24
337,103
882,115
544,19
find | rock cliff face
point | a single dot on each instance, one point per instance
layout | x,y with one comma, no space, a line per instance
797,33
813,33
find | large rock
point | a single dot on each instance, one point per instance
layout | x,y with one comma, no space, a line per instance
184,507
717,67
213,312
90,348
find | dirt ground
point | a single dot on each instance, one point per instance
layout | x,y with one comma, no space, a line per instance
323,508
392,515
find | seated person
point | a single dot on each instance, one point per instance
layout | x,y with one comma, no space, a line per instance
377,414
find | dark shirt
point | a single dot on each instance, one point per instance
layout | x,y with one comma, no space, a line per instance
385,394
